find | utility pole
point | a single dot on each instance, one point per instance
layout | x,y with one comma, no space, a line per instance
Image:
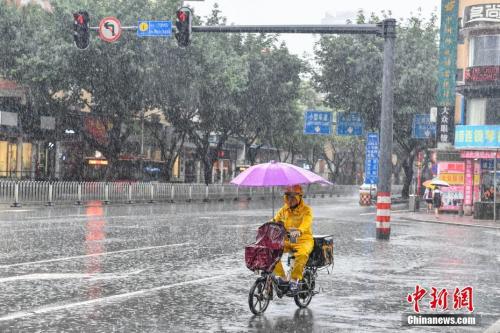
383,218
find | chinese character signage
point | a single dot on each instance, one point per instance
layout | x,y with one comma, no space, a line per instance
445,124
447,53
422,127
477,136
349,124
485,13
318,122
371,160
482,74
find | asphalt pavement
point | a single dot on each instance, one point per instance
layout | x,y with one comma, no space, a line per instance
180,268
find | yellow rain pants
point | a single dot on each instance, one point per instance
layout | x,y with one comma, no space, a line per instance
299,218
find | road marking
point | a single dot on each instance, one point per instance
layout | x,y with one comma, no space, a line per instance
16,210
63,276
93,255
392,211
107,299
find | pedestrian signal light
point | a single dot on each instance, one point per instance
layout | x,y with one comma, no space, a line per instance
183,25
81,33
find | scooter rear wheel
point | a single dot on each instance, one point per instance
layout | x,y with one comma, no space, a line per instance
304,297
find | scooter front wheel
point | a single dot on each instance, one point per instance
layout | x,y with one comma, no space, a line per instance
258,298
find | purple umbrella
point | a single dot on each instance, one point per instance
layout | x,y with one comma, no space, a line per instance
277,174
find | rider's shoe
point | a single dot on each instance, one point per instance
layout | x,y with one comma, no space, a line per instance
294,287
281,281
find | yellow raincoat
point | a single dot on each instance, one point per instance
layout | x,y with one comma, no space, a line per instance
299,218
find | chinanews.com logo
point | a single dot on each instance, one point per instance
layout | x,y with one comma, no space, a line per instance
441,302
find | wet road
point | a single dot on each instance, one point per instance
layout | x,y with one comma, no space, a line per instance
180,268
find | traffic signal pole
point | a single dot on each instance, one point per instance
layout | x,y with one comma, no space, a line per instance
383,218
385,29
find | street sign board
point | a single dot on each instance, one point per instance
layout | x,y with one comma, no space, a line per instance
110,29
349,124
317,122
154,29
422,127
371,159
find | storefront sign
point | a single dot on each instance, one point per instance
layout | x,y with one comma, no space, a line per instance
453,174
481,13
478,154
445,124
447,53
477,136
482,74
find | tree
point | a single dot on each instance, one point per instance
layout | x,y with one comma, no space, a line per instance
351,72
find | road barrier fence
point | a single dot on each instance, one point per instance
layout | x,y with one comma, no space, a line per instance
49,193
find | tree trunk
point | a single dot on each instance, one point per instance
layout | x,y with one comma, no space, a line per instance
408,170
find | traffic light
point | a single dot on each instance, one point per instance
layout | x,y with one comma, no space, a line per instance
81,32
183,25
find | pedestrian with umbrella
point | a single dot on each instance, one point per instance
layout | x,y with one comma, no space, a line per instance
437,199
428,196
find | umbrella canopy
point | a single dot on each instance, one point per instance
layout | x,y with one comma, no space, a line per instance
277,174
439,182
428,184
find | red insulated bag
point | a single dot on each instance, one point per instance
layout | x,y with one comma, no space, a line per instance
265,253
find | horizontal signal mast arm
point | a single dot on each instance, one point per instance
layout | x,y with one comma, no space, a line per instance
295,29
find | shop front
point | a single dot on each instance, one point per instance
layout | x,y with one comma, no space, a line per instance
479,148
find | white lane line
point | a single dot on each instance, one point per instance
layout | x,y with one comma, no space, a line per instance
392,211
16,210
65,276
94,255
107,299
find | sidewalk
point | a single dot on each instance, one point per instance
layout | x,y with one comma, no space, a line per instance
455,219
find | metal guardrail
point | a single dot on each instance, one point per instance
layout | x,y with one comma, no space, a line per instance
49,193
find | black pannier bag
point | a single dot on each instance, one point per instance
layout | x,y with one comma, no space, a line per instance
322,253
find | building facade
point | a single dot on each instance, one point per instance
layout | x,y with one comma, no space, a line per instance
477,103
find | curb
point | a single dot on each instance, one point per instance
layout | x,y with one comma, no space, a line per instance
450,223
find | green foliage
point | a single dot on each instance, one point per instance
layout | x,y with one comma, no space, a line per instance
351,78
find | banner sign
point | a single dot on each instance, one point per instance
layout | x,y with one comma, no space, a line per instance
477,136
422,127
371,159
318,122
445,124
447,53
484,13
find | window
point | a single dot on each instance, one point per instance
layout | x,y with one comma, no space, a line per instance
483,111
485,51
476,111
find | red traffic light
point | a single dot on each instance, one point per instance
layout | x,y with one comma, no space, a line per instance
181,15
79,18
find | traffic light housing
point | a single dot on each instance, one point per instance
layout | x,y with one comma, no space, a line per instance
81,32
183,21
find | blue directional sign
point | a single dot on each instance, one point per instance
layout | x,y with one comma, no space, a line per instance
154,29
317,122
371,160
422,127
349,124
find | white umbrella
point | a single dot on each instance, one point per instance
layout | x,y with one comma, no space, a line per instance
439,182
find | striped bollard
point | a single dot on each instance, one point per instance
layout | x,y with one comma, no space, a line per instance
383,215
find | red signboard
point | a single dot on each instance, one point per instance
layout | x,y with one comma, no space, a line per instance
482,74
486,154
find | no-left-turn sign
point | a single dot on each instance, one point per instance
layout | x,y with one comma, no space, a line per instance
110,29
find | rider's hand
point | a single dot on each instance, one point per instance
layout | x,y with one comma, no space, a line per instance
295,233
